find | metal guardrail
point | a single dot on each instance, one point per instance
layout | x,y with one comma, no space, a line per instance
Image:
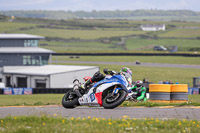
50,90
46,90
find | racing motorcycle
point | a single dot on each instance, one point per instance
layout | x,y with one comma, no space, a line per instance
109,93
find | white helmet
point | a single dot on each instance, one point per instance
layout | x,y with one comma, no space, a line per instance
138,83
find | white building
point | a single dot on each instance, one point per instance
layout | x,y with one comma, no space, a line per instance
153,27
24,65
47,76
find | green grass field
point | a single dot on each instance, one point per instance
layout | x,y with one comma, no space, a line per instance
82,34
132,45
184,24
65,47
150,59
58,124
13,26
182,33
147,44
55,99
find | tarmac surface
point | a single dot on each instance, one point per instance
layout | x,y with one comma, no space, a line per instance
133,64
192,113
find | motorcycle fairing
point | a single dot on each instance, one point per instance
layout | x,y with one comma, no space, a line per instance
116,78
88,99
95,98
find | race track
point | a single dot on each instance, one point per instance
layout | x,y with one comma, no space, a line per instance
192,113
133,64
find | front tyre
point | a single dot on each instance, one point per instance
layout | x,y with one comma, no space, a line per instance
70,100
112,101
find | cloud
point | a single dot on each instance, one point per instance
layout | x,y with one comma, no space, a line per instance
178,4
21,3
132,4
89,5
32,2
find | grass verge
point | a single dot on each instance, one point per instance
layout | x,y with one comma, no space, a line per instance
55,99
97,125
149,59
31,100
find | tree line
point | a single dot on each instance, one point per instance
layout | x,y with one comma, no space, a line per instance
97,14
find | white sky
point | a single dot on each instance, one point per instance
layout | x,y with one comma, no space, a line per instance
89,5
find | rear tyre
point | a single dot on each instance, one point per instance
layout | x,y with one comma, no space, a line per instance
110,102
70,100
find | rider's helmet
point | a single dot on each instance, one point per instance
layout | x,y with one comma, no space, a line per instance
138,83
126,70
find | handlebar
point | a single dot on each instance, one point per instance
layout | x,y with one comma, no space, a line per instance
109,72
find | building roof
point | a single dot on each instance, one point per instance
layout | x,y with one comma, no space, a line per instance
20,36
24,50
44,70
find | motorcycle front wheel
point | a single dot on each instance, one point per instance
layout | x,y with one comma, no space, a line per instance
70,100
111,101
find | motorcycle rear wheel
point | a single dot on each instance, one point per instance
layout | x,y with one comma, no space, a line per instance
120,98
70,100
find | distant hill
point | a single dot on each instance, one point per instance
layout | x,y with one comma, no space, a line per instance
39,14
183,15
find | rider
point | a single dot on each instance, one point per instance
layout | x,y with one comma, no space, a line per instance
96,77
128,74
99,76
140,91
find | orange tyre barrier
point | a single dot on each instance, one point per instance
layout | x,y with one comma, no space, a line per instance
179,88
159,88
165,93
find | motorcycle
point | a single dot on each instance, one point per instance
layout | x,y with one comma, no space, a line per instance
132,96
109,93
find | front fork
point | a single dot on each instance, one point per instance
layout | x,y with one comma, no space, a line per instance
115,90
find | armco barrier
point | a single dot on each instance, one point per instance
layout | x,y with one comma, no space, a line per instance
126,54
50,90
46,90
1,91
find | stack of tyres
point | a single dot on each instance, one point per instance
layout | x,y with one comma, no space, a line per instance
179,93
159,93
